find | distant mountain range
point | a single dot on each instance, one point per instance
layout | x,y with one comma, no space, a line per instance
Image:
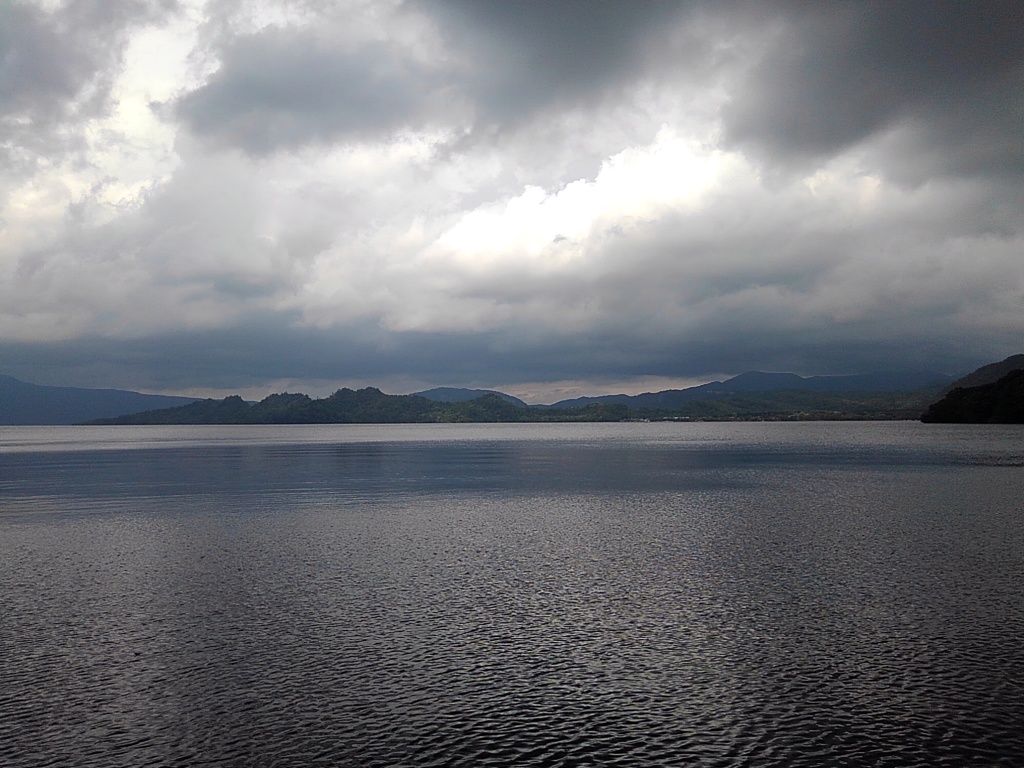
751,395
24,403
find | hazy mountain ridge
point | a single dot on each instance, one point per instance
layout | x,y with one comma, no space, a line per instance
991,373
22,403
761,381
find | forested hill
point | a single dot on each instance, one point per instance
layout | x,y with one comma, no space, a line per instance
363,406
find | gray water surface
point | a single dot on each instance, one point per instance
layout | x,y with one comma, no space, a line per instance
530,595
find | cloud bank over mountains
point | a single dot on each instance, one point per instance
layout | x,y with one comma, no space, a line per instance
548,198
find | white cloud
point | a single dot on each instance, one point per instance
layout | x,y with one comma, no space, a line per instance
598,217
636,184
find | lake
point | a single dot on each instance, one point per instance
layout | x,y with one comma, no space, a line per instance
665,594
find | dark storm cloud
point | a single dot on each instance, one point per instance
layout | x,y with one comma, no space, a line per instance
266,350
586,198
837,73
808,79
261,351
57,68
530,53
284,88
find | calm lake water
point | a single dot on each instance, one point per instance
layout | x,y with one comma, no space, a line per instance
814,594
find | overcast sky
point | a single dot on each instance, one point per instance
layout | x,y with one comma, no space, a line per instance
547,197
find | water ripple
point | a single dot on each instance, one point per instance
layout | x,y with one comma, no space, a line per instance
828,615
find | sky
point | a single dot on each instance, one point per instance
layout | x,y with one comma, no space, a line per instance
548,197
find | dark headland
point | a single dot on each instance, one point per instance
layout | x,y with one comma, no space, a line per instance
995,402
